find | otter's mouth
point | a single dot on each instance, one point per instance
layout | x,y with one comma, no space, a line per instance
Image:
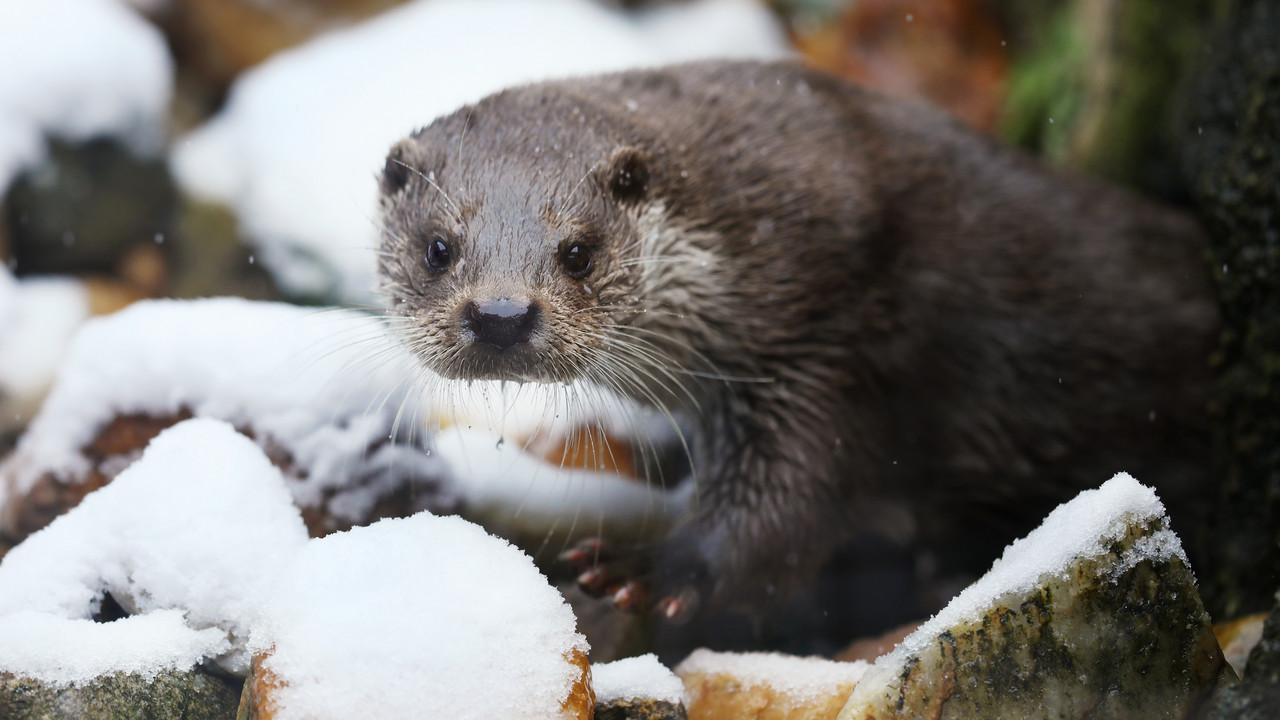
519,363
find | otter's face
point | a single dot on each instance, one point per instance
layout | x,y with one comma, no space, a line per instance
504,272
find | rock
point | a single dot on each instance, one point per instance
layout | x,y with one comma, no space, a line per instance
637,688
87,208
1232,143
639,710
765,686
417,617
295,380
1093,615
1238,638
1257,697
192,695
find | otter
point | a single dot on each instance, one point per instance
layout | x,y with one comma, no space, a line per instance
875,321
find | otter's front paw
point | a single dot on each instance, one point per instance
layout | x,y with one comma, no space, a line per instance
636,580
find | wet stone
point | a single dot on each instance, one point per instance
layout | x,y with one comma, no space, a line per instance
639,710
192,695
1120,635
1257,696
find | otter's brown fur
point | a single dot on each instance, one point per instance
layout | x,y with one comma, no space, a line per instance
877,320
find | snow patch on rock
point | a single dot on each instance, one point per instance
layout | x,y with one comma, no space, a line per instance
38,318
78,69
189,537
326,385
802,678
1085,527
636,678
417,617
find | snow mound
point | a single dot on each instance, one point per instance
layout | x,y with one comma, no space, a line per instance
78,69
38,317
636,678
417,617
329,387
1085,527
189,537
801,678
303,136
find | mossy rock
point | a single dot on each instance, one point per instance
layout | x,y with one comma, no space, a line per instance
191,695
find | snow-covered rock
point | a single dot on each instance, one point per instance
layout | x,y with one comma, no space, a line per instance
636,678
297,148
417,617
188,538
354,421
326,393
1094,614
38,317
78,69
766,686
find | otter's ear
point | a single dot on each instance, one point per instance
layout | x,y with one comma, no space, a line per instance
629,174
396,171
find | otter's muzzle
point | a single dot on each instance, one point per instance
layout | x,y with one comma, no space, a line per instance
500,323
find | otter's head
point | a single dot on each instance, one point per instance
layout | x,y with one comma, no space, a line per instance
505,244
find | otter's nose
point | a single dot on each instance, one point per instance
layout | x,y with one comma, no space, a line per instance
500,323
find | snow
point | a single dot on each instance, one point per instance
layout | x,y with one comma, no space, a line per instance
636,678
1085,527
189,537
326,386
63,651
78,69
802,678
505,486
417,617
303,136
38,317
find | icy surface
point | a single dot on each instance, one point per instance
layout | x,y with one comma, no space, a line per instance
325,385
417,617
78,69
802,678
38,317
1085,527
303,136
636,678
189,537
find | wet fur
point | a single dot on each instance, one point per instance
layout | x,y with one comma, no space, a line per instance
929,336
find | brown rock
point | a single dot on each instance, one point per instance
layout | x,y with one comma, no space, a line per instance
1238,638
258,701
765,686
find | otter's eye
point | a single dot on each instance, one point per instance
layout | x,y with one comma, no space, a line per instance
576,259
438,254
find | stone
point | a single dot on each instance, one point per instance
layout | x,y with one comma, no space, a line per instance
1257,697
1238,638
1118,632
193,695
765,686
639,710
1232,147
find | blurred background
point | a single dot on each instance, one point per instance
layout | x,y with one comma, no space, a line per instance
188,148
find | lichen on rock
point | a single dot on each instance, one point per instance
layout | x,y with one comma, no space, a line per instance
1064,626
